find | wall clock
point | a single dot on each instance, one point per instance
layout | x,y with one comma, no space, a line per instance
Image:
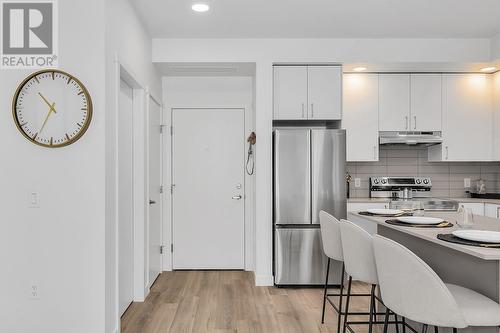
52,108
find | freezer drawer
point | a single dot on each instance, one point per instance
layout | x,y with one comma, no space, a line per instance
299,258
328,173
292,176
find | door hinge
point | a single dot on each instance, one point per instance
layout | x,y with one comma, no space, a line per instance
162,249
172,248
161,188
172,188
171,130
161,128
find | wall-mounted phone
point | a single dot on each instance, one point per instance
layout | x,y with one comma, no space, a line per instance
250,166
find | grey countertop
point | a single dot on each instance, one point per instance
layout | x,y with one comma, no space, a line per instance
430,234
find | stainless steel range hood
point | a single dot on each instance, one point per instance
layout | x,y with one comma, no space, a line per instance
410,138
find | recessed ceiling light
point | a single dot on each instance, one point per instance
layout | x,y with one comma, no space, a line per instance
488,69
200,7
359,69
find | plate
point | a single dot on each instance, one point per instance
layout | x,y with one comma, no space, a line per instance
484,236
420,220
382,211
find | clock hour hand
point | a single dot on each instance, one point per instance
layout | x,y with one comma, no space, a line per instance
47,117
48,103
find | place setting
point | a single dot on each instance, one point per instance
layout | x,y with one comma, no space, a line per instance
468,236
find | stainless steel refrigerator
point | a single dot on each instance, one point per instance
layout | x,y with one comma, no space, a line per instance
309,176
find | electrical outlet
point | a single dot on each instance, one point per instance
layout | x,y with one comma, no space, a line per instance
34,291
466,182
357,182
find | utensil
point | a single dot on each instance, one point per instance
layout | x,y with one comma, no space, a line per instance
478,235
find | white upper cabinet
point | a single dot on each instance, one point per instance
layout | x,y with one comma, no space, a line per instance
360,116
290,92
307,92
394,102
467,119
324,92
425,109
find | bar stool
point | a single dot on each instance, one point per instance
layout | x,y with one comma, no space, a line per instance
413,290
332,246
359,264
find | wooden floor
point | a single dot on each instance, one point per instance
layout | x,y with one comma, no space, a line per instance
216,301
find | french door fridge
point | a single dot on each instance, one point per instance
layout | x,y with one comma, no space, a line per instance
309,176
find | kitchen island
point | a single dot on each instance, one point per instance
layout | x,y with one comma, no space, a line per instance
476,268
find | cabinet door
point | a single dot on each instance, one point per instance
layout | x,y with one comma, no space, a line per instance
360,116
325,92
467,117
492,210
394,103
425,114
290,92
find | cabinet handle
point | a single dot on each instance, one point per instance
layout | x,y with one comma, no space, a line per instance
406,122
498,212
302,110
414,122
447,153
312,110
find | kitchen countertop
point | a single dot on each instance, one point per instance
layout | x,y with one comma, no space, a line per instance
463,200
430,234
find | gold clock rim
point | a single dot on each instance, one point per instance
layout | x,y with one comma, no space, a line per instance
89,106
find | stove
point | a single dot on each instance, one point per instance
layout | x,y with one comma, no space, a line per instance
400,187
404,191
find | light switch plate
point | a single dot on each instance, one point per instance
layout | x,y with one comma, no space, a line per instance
34,200
466,182
357,182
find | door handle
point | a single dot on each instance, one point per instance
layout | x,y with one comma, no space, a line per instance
237,197
152,202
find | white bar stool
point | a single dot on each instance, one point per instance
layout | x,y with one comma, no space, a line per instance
410,288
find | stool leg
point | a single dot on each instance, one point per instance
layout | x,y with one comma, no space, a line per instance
325,292
397,322
347,303
436,329
386,319
403,320
372,303
455,330
342,278
424,328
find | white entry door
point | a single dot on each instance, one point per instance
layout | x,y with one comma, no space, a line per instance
208,198
154,229
125,198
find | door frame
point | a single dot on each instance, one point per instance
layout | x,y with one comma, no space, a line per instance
151,99
141,96
249,202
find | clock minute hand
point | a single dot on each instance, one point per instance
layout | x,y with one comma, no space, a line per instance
48,103
47,117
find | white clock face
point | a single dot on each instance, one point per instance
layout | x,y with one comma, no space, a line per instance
52,108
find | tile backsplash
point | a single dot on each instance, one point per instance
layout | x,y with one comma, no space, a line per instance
447,177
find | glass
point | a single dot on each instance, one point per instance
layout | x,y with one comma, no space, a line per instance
465,218
417,208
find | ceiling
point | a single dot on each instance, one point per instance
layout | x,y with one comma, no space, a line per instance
322,18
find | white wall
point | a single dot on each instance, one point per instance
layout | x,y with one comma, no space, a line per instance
128,41
60,245
213,92
495,48
266,51
496,117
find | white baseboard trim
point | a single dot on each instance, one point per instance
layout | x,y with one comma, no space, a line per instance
264,280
